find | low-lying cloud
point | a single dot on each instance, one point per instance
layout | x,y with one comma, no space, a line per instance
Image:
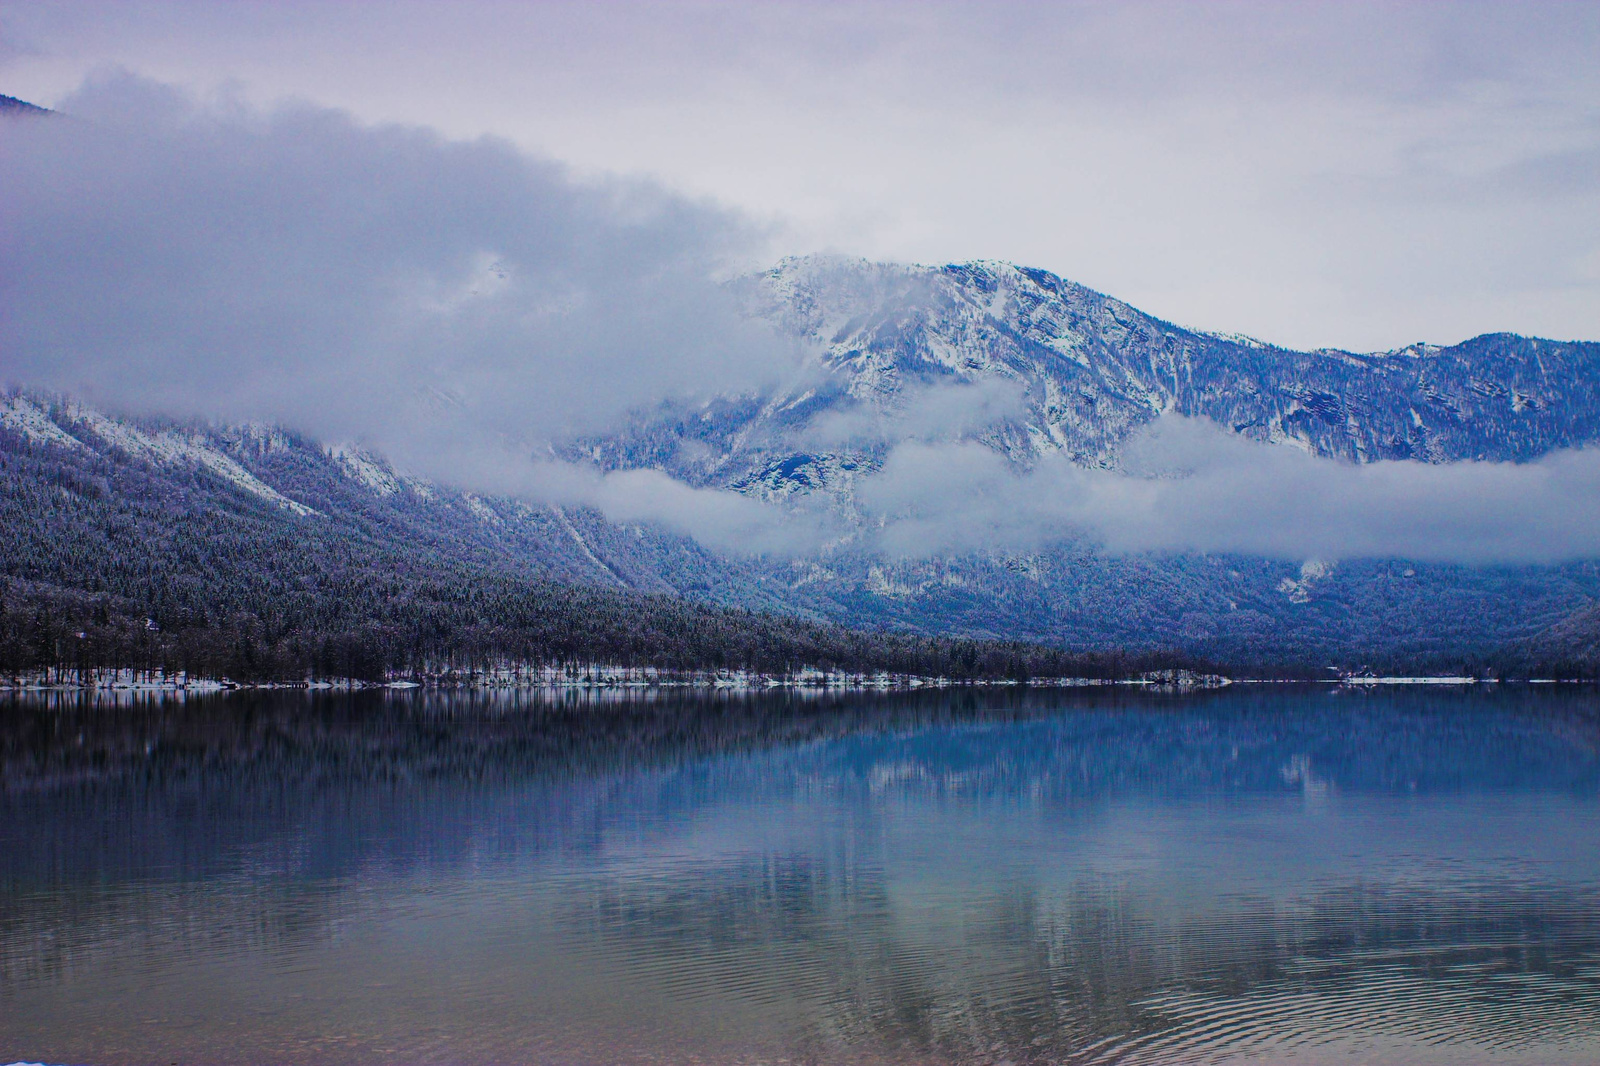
1189,485
949,411
1182,485
370,283
717,518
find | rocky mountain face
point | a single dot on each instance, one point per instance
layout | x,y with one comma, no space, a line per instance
1022,362
1088,370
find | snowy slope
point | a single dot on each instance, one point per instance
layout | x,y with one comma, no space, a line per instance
1090,370
171,447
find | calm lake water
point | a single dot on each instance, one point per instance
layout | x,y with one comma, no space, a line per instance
1276,876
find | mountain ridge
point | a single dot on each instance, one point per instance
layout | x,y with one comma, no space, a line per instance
1090,370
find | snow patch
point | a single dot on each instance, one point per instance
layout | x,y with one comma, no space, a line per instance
1312,573
583,546
22,415
812,574
1368,679
1419,350
365,468
481,510
1238,338
1030,567
173,448
882,582
264,438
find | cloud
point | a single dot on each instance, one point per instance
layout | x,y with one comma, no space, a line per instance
1182,485
722,520
948,411
440,301
1189,485
718,518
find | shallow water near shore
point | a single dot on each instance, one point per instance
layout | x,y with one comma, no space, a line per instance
1254,875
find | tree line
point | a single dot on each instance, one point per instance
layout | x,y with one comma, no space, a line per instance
436,628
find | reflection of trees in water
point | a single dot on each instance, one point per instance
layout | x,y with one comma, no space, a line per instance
1088,974
1111,740
54,741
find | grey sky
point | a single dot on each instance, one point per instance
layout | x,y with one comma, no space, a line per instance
1360,175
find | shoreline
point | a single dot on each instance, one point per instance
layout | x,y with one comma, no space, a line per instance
559,679
645,679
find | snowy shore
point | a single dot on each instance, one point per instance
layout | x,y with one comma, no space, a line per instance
576,676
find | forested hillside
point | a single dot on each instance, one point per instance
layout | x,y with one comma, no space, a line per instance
251,553
115,563
184,521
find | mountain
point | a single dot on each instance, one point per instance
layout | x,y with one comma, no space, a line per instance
1092,369
10,105
89,500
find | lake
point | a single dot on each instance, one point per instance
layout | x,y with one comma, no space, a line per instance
1263,874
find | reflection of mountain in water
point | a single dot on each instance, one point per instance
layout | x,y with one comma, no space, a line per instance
949,877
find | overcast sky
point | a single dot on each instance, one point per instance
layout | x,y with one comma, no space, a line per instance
1360,175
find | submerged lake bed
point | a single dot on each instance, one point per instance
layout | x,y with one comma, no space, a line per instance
1310,875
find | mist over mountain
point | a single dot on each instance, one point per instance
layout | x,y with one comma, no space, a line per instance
985,405
454,304
978,359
